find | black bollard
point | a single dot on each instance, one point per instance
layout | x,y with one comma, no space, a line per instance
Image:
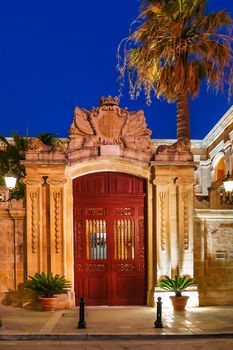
82,322
158,323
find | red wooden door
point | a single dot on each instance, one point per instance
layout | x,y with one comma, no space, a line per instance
109,240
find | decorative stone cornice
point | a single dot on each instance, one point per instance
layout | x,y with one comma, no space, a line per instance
218,129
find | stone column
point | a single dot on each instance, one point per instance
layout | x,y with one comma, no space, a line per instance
56,232
34,223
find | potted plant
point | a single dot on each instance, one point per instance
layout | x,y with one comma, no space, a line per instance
47,287
177,285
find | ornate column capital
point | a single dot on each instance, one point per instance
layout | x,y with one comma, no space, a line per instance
56,181
185,181
164,180
34,181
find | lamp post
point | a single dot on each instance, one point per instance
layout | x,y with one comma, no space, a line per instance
10,181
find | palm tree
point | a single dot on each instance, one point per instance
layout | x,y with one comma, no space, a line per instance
12,151
173,49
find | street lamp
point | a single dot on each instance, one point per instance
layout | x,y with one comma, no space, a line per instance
228,183
228,188
10,181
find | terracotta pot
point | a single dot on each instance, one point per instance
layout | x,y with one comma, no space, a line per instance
179,303
48,304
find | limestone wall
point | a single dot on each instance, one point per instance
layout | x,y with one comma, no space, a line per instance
11,245
213,256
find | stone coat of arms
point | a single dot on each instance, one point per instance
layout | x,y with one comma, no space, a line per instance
109,125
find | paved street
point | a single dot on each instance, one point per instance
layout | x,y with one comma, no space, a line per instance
175,344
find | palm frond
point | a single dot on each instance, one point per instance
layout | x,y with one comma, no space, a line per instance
176,285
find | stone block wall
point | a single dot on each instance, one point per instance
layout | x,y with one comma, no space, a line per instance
213,256
11,245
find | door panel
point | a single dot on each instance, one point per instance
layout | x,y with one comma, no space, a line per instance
109,239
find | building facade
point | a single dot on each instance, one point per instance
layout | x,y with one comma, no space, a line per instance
114,210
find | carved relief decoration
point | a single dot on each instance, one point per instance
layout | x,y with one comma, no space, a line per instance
97,267
185,196
57,220
109,125
124,211
80,249
141,235
36,144
219,250
96,211
124,267
162,197
34,221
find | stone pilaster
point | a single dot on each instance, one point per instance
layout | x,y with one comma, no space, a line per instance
185,225
174,218
151,238
56,232
165,223
34,223
17,215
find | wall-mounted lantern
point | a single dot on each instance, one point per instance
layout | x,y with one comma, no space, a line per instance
10,181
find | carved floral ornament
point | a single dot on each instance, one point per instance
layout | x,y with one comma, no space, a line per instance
110,125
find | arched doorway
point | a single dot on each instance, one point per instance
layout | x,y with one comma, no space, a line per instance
220,169
109,239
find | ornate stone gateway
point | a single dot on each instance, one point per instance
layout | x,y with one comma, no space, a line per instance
109,240
91,227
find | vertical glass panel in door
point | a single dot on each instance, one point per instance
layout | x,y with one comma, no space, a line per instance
96,239
124,239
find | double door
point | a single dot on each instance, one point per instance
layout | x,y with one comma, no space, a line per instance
109,240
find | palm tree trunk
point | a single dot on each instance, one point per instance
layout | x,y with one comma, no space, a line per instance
183,117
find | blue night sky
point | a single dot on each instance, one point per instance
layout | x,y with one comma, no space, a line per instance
58,54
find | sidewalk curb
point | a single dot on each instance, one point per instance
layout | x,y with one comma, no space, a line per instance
112,336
